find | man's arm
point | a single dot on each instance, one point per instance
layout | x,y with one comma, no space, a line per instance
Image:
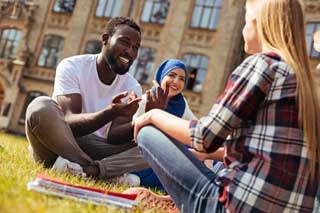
83,123
86,123
121,131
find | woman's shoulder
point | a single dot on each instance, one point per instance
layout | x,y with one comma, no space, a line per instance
268,58
188,114
264,63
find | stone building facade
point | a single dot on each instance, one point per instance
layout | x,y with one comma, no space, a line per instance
36,34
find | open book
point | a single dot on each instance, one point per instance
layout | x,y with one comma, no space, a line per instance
114,200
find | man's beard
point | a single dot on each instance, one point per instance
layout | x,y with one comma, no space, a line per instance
111,61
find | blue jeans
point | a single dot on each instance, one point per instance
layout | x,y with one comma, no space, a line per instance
189,182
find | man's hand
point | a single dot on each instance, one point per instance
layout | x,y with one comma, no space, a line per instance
121,130
125,109
157,99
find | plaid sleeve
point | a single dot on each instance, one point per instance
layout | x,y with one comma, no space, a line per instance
245,91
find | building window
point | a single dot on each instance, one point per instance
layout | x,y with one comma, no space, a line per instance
30,97
155,11
6,109
197,68
93,47
142,67
64,6
51,51
311,29
9,43
206,14
108,8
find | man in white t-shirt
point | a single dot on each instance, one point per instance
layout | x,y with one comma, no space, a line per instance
87,122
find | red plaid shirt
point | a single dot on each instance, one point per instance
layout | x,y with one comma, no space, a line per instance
256,119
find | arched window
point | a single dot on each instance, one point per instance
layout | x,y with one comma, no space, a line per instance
30,97
142,67
155,11
9,43
108,8
206,14
93,47
311,29
64,6
197,68
51,51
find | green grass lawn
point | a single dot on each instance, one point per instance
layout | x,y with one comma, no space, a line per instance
17,168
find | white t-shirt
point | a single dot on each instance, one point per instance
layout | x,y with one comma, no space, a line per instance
78,74
187,114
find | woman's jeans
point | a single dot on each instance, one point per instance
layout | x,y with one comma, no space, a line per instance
189,182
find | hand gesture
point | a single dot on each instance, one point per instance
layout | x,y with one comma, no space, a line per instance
216,155
200,155
125,109
157,99
132,96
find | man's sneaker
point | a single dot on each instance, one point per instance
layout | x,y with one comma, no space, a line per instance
64,165
149,200
126,179
30,149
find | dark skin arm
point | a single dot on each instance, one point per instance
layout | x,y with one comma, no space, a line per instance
85,123
122,127
121,130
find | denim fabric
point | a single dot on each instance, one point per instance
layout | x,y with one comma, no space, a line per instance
189,182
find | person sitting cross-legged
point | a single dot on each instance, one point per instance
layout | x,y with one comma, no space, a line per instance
169,82
85,128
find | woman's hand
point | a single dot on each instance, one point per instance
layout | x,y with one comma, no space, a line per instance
140,122
157,99
200,155
217,155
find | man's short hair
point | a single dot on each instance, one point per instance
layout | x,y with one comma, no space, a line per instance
116,21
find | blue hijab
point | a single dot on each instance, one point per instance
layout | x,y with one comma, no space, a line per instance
176,104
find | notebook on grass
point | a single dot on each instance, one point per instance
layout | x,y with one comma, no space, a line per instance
114,200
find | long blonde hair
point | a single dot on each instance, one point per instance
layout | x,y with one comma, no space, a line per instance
281,27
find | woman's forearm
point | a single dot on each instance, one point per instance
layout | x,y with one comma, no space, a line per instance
173,126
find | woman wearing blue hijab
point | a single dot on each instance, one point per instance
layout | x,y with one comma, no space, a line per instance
172,74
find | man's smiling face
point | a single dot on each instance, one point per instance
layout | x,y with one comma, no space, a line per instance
122,49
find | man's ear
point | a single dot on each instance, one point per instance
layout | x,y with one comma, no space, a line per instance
105,38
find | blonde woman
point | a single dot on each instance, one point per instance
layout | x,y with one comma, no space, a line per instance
270,113
316,45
